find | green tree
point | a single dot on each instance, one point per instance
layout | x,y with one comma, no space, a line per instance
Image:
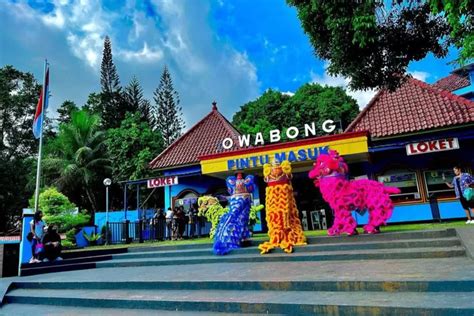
168,115
316,103
77,159
112,106
19,92
372,42
65,111
133,145
133,96
460,17
310,103
58,210
93,103
263,114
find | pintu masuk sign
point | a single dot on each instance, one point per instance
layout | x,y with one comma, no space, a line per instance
290,155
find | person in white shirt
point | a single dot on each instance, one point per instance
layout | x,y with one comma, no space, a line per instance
169,221
37,230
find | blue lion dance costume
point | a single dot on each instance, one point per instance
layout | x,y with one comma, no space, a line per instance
233,225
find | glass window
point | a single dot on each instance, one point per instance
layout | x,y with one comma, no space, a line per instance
187,200
406,181
435,183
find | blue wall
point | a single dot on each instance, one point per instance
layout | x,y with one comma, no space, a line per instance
81,241
451,209
119,217
419,212
25,245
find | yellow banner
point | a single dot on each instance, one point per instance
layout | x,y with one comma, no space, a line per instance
301,153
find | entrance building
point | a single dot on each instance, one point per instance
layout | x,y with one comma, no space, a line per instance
201,164
409,138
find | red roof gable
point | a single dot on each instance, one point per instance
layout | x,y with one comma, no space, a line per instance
453,82
204,138
415,106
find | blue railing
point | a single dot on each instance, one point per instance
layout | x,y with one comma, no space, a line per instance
155,230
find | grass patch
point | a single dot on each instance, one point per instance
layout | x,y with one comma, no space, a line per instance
264,236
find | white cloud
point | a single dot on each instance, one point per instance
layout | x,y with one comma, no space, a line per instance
420,75
145,55
56,19
203,67
362,97
289,93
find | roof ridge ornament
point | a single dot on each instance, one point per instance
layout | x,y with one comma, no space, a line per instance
214,105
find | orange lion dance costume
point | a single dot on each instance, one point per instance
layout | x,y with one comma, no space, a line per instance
284,226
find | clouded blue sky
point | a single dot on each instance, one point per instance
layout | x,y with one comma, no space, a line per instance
228,51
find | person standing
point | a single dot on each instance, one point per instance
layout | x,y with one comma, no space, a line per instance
161,224
462,181
169,222
36,230
192,220
181,222
175,224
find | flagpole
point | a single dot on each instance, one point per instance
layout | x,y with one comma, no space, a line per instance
40,150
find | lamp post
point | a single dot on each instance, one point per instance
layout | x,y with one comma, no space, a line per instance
107,183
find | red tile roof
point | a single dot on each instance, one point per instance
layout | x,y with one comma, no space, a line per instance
202,139
453,82
415,106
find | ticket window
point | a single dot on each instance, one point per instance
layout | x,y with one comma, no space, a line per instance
435,181
406,181
187,201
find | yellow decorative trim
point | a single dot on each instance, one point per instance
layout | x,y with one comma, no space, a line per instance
356,145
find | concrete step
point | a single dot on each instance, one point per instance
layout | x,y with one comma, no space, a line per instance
72,254
396,240
384,236
370,254
72,260
27,266
281,302
390,244
50,310
57,268
327,286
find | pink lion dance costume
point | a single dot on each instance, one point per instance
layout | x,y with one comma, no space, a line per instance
330,175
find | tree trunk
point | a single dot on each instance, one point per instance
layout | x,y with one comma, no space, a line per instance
91,198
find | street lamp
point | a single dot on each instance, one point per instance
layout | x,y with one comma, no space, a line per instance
107,183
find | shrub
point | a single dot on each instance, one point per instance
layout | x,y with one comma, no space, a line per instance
253,219
52,202
58,210
92,238
67,244
71,236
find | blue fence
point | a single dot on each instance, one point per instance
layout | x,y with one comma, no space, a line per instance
157,229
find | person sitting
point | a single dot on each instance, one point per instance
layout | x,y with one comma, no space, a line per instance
52,244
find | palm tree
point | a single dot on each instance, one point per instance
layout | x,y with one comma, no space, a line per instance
77,158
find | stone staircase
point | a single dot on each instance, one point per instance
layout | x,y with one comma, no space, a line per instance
405,273
71,261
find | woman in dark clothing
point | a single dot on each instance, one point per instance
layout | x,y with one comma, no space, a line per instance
462,181
52,244
181,222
